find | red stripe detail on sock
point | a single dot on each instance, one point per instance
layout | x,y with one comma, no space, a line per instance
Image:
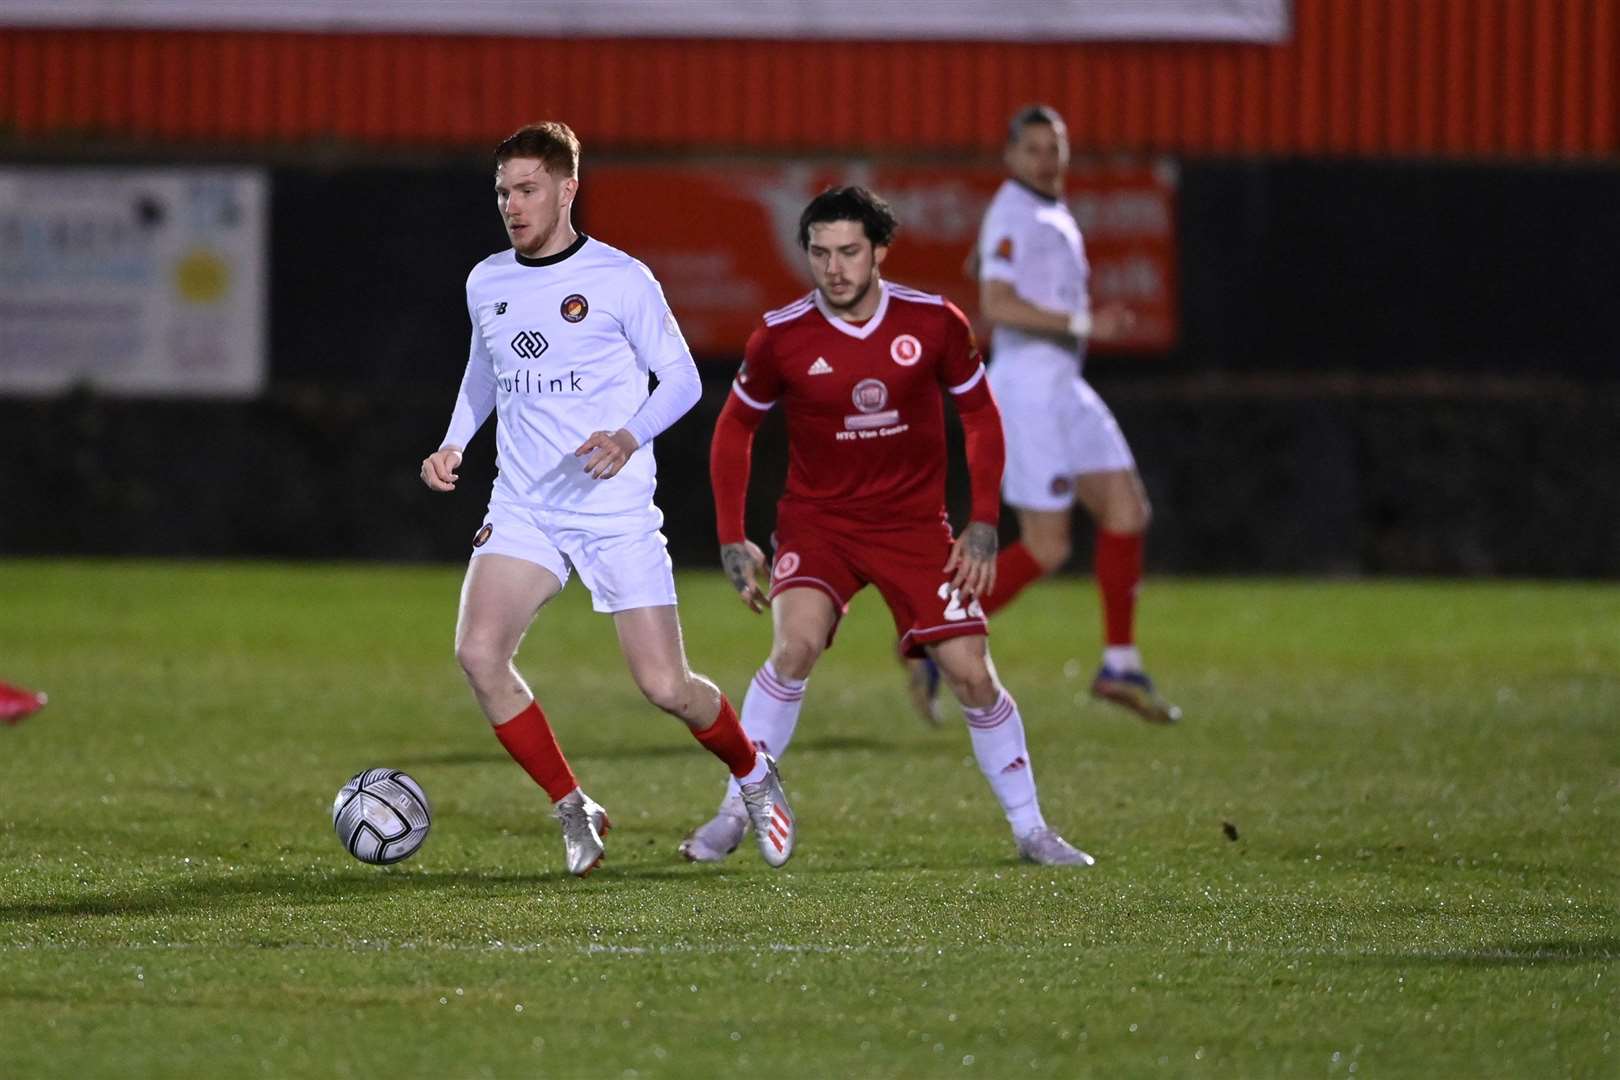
780,684
1119,573
726,740
993,716
776,690
529,739
1015,568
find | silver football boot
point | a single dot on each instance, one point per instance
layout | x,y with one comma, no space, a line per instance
769,813
584,823
1046,847
719,836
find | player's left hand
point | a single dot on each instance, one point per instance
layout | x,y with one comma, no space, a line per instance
973,558
609,451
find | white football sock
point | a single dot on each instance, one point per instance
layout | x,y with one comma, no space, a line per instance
1122,659
770,712
998,742
760,770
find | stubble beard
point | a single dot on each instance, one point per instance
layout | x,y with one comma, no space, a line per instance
537,240
853,301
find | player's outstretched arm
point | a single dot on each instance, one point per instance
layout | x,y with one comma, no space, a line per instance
1003,306
743,563
439,468
973,557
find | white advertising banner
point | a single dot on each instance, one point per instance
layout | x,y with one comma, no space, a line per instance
969,20
135,281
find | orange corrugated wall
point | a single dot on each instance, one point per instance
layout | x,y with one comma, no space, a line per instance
1456,78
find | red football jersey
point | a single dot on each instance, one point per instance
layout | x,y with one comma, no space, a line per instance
865,414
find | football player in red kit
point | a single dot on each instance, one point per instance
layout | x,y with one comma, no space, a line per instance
862,368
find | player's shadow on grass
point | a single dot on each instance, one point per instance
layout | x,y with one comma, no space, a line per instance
288,888
318,886
1507,954
827,744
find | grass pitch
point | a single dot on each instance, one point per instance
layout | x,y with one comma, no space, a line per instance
1423,781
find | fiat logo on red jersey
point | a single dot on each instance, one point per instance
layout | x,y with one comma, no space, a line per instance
905,350
870,395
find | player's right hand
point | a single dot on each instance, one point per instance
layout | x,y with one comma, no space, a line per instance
743,563
439,469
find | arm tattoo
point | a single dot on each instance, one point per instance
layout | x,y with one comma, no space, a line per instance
980,541
739,567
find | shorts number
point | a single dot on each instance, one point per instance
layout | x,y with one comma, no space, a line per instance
954,611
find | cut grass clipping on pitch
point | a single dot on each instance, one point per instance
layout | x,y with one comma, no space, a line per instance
1383,843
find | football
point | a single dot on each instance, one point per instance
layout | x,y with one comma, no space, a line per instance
381,816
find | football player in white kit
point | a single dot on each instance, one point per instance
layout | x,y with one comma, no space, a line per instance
1063,444
565,331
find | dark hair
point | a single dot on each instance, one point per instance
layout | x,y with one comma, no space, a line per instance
850,204
552,141
1029,116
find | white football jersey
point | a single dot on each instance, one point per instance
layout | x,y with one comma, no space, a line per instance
561,347
1032,242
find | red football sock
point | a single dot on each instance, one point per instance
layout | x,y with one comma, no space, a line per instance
1015,568
1119,572
528,738
726,740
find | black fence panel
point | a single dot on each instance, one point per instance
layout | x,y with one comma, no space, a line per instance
1343,480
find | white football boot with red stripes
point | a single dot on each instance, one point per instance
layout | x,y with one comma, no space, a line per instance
771,816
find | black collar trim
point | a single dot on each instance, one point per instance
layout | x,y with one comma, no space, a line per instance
552,260
1039,194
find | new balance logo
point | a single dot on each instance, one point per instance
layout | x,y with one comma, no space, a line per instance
821,367
500,307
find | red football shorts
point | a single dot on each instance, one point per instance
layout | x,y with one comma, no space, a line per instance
904,560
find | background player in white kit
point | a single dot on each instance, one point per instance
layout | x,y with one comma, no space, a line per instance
1062,442
565,330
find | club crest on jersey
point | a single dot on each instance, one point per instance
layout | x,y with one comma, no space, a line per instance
905,350
574,308
786,564
483,535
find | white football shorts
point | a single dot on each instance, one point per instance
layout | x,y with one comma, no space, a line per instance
1056,428
622,558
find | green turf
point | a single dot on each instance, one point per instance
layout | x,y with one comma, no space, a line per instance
1424,779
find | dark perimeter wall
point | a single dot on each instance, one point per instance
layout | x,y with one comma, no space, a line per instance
1400,368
